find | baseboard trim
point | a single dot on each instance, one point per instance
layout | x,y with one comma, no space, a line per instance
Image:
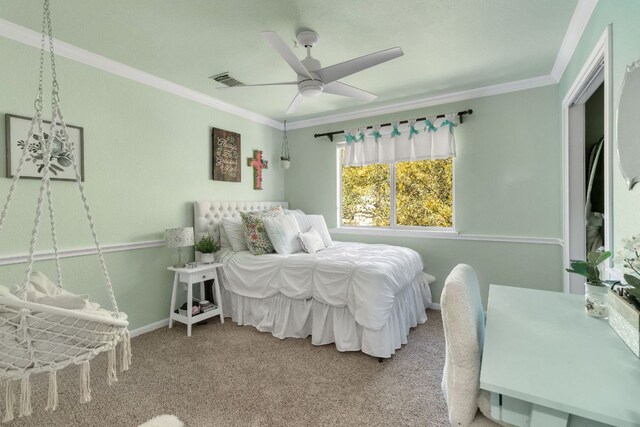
434,306
149,328
70,253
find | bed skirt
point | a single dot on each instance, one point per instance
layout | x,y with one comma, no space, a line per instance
286,317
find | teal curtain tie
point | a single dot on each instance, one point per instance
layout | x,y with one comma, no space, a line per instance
349,138
360,137
395,132
449,123
412,131
429,127
376,135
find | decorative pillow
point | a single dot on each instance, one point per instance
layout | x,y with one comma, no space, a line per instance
311,241
316,222
254,232
283,232
235,233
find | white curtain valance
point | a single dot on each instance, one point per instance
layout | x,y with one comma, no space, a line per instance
431,138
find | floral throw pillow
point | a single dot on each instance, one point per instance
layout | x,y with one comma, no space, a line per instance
255,233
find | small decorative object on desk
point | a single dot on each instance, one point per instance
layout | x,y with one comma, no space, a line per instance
624,315
595,289
207,247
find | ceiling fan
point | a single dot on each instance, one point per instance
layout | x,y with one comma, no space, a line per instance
312,79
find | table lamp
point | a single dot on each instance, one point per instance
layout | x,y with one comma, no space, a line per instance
179,238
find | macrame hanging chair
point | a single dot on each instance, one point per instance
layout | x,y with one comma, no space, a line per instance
36,337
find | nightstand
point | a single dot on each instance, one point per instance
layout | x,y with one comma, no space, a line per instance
187,277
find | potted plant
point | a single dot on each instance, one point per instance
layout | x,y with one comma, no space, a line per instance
207,247
595,289
625,300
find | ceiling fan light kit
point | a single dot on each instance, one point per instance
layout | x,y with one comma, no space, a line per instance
312,79
310,88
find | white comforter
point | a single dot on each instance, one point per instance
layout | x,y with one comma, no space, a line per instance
364,277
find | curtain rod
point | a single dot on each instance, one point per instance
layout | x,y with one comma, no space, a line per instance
439,116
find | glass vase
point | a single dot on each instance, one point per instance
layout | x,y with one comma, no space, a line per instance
595,301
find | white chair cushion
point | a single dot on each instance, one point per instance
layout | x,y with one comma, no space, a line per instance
283,232
235,233
463,320
316,222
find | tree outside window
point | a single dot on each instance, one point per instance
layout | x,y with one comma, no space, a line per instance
423,194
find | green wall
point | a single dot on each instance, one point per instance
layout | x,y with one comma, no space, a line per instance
508,182
624,17
147,158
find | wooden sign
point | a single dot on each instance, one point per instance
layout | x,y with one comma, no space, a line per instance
226,155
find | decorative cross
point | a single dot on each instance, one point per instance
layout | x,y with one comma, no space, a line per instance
257,164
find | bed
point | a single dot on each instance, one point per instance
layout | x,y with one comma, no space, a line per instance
360,297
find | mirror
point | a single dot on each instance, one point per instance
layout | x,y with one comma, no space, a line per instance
628,125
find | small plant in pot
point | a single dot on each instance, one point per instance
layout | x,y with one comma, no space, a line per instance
624,315
595,289
207,247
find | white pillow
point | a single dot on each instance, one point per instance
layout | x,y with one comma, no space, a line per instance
283,232
235,233
316,222
224,240
311,241
6,293
41,283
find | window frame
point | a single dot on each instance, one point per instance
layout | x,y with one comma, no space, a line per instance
393,228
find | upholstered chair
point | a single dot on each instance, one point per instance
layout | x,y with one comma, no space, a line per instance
463,320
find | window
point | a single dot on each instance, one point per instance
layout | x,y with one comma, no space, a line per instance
403,194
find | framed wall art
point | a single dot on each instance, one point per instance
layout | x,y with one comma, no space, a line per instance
226,155
60,167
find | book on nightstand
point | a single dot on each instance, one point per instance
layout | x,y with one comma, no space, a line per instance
206,306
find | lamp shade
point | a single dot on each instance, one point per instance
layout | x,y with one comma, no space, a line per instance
179,237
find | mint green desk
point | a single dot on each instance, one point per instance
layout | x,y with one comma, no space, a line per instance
546,363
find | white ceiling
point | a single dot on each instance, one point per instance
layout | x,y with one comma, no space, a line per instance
449,46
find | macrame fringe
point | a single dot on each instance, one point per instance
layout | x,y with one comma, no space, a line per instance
9,399
52,398
25,396
85,387
111,367
125,352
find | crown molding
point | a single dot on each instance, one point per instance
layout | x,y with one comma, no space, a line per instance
579,20
428,101
29,37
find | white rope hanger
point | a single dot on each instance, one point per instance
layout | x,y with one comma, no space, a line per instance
36,337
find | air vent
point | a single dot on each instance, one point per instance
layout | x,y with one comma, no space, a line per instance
226,79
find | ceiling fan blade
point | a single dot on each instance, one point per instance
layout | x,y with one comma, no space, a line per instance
343,69
263,84
286,53
294,104
338,88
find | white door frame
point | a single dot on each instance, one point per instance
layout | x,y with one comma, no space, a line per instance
600,53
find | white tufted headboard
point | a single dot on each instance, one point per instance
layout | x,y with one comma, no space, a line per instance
207,215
